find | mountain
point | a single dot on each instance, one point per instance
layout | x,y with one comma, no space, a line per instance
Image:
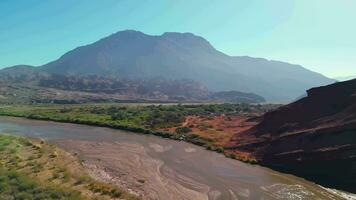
19,72
314,137
135,55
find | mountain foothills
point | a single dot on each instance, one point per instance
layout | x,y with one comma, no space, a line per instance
41,87
314,137
132,59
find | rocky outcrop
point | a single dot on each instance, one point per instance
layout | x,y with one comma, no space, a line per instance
314,137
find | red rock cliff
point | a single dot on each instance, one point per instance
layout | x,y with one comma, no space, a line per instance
314,137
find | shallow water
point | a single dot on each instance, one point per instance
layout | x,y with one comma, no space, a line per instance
192,168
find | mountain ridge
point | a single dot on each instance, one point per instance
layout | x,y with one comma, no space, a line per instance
136,55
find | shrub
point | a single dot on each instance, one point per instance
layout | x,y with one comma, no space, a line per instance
233,156
183,130
219,150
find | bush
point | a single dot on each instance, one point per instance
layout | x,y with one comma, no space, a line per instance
183,130
219,150
233,156
14,185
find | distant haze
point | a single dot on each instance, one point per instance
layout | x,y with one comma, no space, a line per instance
345,78
135,55
317,34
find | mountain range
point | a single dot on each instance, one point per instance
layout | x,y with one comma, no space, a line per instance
133,55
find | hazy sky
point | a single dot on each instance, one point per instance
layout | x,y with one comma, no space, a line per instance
318,34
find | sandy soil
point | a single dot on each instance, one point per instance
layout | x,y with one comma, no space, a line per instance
121,163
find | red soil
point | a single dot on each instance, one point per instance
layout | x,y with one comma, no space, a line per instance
219,129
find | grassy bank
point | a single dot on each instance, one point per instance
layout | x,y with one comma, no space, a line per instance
149,119
32,169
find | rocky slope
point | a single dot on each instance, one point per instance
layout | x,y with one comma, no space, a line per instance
135,55
314,137
39,87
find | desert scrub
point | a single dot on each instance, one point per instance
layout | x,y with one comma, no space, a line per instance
25,175
15,185
129,117
161,120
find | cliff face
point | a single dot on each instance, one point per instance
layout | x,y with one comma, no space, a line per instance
314,137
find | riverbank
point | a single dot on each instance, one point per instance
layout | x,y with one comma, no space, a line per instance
133,160
177,122
34,169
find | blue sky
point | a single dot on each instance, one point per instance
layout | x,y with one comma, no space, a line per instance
318,34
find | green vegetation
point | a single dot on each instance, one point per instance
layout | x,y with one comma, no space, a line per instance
28,171
135,117
19,186
147,119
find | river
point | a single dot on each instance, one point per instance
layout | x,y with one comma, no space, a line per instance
158,168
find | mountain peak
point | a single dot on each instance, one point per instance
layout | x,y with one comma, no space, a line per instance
124,35
129,32
132,54
178,34
170,35
189,40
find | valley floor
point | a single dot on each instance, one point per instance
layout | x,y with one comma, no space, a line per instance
212,126
156,168
208,125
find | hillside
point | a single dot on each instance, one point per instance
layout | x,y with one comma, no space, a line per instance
39,87
176,56
313,137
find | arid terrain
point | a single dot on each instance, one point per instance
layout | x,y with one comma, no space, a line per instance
173,169
177,100
313,137
286,138
220,129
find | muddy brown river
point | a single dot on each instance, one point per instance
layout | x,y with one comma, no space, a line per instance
157,168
